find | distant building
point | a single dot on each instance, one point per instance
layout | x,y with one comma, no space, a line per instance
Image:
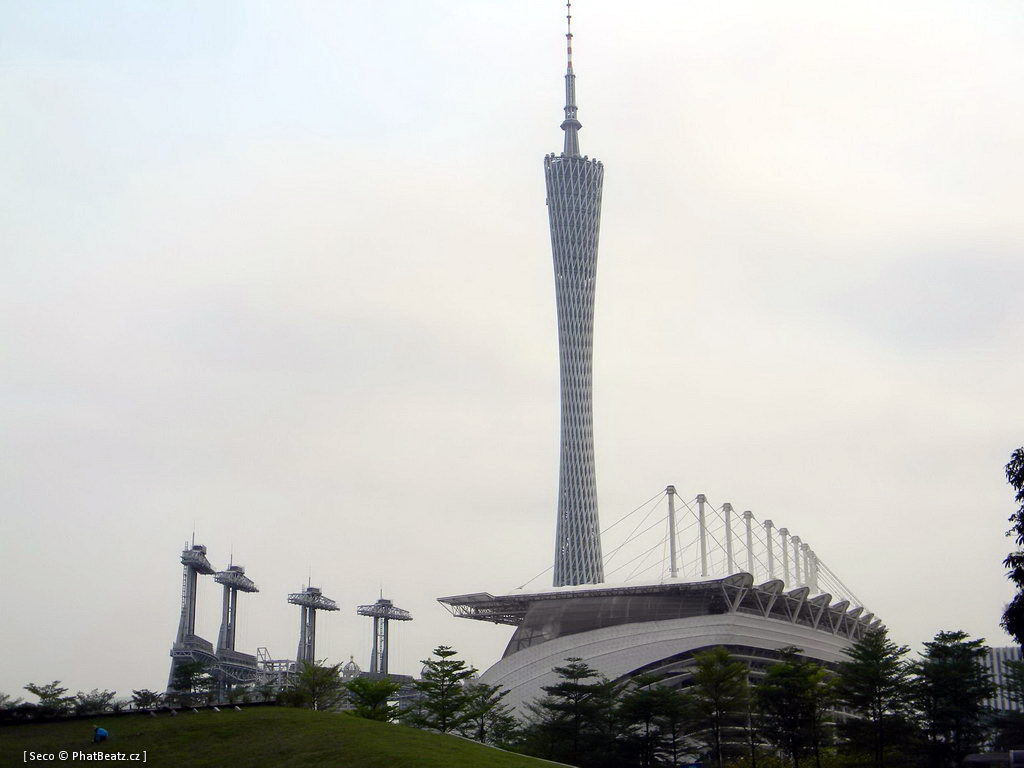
995,662
351,670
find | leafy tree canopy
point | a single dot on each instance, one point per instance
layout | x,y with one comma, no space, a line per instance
874,683
488,720
720,696
371,698
950,691
1013,615
444,704
315,686
792,698
52,700
146,699
93,703
191,683
575,705
641,711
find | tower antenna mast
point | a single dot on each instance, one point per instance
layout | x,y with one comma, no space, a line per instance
568,34
570,124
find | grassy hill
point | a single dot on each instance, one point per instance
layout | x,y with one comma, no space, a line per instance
263,736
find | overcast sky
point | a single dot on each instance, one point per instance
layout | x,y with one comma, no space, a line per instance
281,271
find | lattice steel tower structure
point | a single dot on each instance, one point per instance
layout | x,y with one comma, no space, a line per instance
574,214
310,601
234,581
383,611
188,646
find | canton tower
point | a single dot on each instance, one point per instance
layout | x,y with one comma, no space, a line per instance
574,214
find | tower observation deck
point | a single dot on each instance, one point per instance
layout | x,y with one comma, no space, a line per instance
574,186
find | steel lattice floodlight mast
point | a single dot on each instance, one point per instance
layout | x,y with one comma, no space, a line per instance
382,612
310,601
187,645
234,581
195,563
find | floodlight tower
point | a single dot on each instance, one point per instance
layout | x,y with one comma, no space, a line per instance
310,601
186,642
382,612
234,581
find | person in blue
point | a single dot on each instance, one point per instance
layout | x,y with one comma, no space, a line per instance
99,734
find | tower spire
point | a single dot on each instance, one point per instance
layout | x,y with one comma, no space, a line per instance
570,125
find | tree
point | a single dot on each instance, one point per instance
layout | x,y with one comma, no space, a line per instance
238,692
146,699
191,682
1013,615
604,729
572,712
874,684
52,700
315,687
540,734
505,729
793,698
950,692
572,698
444,700
485,713
11,707
370,698
640,711
266,691
675,711
720,695
93,703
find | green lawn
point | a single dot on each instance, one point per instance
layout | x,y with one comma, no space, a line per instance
256,737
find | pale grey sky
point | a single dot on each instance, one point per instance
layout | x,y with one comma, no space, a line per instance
282,270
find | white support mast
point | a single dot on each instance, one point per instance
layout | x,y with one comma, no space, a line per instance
727,512
797,581
670,491
748,521
702,525
805,550
784,535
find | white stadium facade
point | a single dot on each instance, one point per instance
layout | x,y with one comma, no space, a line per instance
624,631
